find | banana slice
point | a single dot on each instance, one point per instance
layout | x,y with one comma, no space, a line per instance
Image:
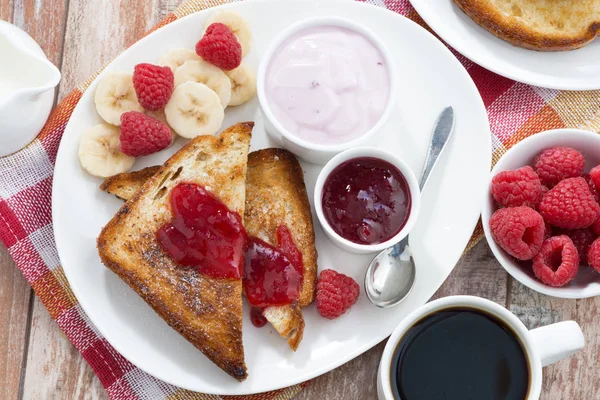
202,72
236,24
115,96
194,109
176,57
243,84
99,152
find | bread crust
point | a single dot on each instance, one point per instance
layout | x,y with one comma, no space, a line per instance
206,311
126,184
519,34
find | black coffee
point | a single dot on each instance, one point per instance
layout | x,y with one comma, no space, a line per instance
460,354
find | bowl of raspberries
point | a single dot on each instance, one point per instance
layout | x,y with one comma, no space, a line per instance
542,217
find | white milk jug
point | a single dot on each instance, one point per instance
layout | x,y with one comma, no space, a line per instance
27,83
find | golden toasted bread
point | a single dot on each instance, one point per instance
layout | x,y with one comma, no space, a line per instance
126,184
276,195
545,25
205,310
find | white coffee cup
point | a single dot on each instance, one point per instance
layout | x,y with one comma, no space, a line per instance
542,346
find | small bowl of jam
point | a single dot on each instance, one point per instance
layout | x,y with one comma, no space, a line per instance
366,200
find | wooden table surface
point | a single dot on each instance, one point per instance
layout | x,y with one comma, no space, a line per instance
37,361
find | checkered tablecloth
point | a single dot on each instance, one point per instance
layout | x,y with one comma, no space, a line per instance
515,111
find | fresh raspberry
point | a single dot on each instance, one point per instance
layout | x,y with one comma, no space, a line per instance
521,187
595,176
596,227
220,47
153,85
593,255
557,262
518,230
570,205
336,293
593,187
581,238
547,230
142,135
558,163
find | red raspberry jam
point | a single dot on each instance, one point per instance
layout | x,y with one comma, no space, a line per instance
204,233
257,318
273,276
366,200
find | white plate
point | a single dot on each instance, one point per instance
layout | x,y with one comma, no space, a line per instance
431,78
569,70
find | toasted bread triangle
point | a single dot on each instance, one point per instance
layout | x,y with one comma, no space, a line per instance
275,194
206,311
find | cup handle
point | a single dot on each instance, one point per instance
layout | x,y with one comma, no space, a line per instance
557,341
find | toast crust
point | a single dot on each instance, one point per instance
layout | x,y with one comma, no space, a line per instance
516,31
206,311
126,184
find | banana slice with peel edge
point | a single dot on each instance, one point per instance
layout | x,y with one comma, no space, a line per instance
176,57
202,72
236,24
100,154
115,96
243,84
194,109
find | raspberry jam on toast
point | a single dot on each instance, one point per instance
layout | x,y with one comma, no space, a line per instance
204,233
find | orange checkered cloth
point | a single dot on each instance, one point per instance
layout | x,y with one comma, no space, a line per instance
515,111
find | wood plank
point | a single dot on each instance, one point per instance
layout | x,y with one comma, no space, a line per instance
92,42
478,273
7,9
55,369
575,377
44,20
15,295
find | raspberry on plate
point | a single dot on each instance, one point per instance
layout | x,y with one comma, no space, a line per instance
153,85
558,163
570,205
220,47
518,230
521,187
593,255
557,262
592,185
142,135
581,238
336,293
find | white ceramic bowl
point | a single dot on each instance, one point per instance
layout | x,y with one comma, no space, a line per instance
587,282
313,152
413,186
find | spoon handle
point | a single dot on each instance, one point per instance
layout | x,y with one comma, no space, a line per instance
441,133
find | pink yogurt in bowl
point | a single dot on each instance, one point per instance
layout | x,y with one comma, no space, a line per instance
325,85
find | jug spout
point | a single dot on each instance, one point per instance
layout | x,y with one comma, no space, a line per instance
25,72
